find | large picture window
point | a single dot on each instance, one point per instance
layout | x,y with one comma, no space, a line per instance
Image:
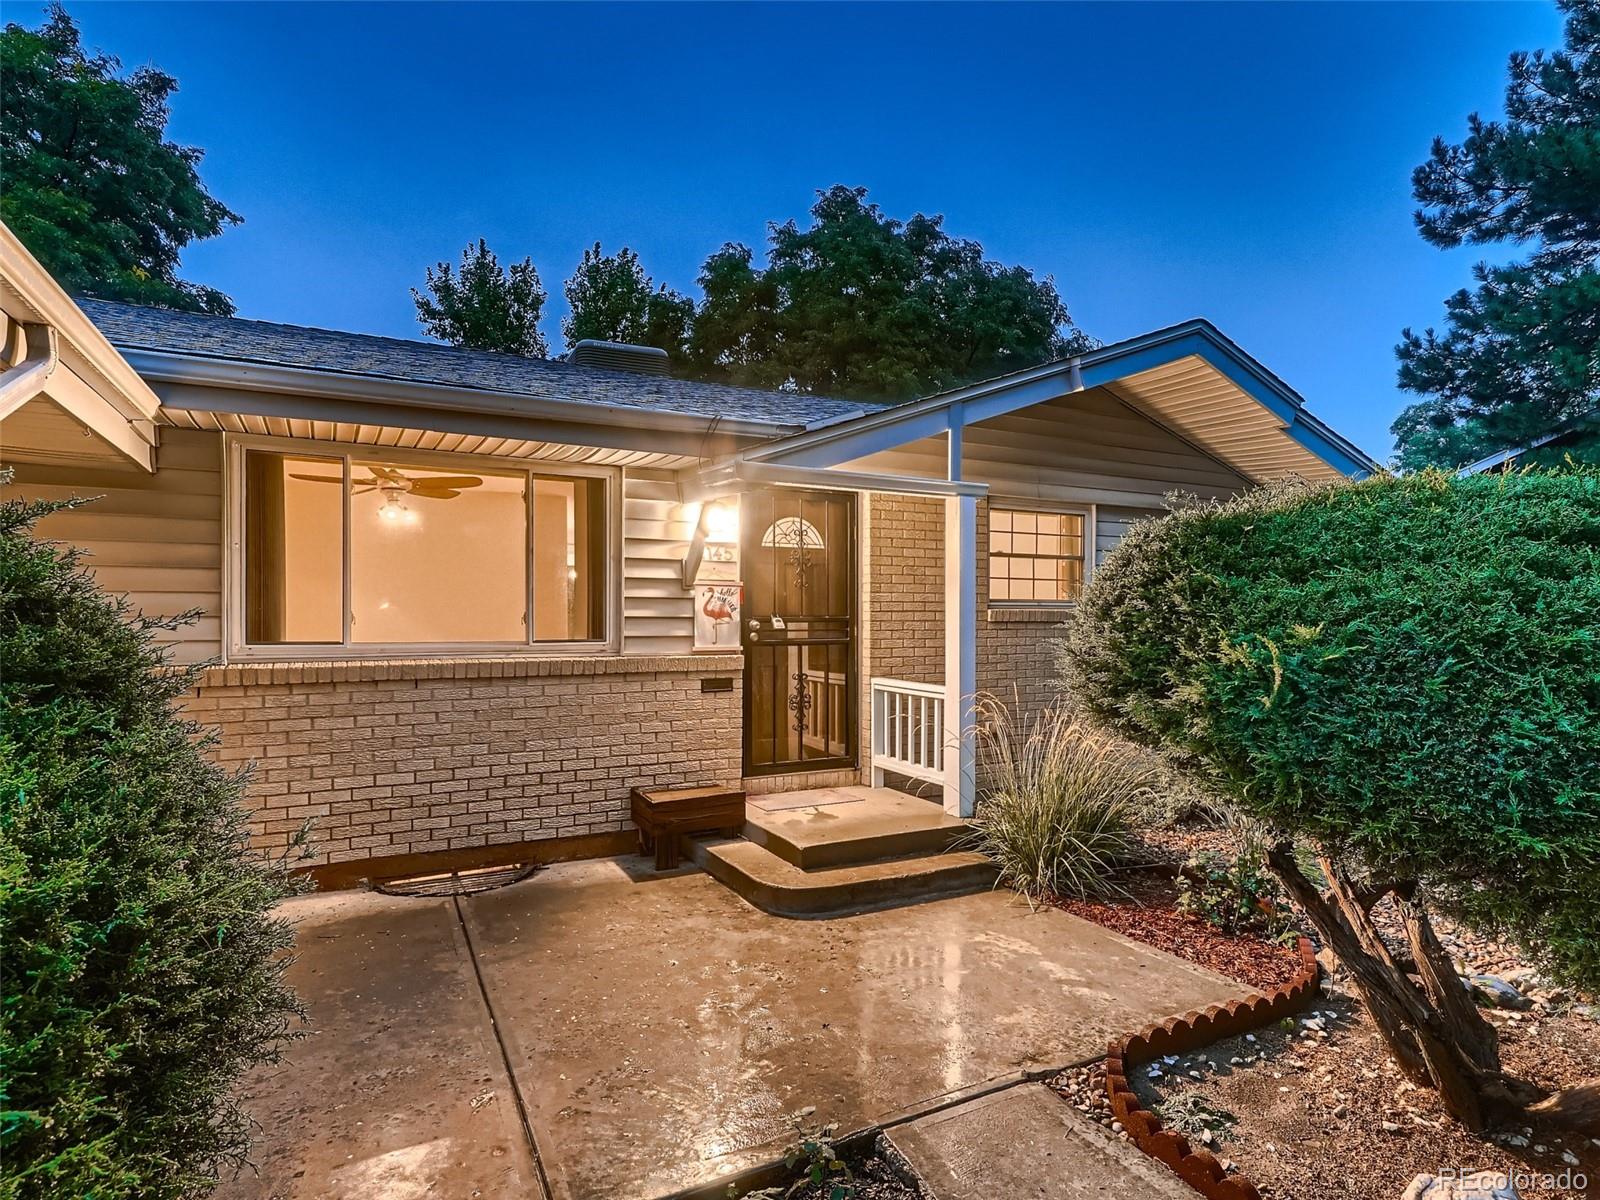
367,552
1035,557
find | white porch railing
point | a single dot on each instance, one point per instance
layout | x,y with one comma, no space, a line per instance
907,730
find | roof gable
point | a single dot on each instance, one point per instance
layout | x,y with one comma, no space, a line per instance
1190,378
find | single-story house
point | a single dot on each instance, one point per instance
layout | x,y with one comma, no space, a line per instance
459,601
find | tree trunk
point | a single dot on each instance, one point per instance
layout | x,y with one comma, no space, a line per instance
1575,1107
1462,1020
1450,1053
1368,970
1434,1031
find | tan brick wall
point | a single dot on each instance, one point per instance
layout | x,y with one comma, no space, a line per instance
403,758
904,628
905,588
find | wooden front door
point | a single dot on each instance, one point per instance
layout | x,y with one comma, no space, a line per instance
798,555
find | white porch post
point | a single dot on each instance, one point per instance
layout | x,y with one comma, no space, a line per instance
960,652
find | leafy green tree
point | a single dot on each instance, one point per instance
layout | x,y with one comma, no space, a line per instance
88,179
1521,351
1426,720
613,300
861,304
735,331
143,967
484,307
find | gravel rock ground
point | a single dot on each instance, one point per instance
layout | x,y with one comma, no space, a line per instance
1085,1089
1319,1108
1322,1111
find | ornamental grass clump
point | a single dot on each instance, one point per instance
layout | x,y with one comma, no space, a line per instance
1061,801
142,968
1400,675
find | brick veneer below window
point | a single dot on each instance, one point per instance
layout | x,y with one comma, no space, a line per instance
411,757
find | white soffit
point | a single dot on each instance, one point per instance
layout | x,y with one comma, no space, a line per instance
395,437
1201,405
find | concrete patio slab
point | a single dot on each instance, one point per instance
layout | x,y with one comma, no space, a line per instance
399,1090
662,1030
1050,1152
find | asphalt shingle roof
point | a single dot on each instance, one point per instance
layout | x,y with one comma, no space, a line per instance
131,326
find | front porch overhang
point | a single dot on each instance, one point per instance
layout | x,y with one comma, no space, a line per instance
60,379
957,690
1189,378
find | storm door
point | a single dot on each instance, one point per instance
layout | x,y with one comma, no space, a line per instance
797,555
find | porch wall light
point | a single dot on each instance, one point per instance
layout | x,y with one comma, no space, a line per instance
721,522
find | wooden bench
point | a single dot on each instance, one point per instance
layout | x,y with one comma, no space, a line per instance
663,815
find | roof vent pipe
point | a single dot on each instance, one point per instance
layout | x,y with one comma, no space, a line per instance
619,356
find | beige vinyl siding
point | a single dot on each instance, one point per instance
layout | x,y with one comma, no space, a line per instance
158,538
1112,524
1087,448
657,610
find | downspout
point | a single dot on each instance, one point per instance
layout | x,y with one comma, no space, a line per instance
36,356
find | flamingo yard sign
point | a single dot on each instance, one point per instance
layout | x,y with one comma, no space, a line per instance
716,616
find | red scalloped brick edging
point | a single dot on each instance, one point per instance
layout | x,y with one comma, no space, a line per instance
1179,1035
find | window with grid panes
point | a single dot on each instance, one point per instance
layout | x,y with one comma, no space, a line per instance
1035,557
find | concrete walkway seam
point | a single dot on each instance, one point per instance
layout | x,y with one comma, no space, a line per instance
775,1171
505,1054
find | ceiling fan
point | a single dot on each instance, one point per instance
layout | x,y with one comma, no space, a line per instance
394,484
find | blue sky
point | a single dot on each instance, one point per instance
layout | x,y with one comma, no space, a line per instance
1247,163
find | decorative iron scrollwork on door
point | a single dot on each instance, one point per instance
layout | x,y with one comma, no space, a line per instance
800,537
800,702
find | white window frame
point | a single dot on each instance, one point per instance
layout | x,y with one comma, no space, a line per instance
233,554
1029,505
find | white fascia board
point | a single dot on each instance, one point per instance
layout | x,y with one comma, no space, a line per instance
311,387
27,379
85,404
861,440
82,346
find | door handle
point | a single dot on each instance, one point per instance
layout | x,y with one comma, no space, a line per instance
754,625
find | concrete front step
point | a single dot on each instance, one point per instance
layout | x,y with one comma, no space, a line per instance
835,827
777,886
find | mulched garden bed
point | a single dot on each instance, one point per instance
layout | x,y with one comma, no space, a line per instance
1150,915
876,1178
